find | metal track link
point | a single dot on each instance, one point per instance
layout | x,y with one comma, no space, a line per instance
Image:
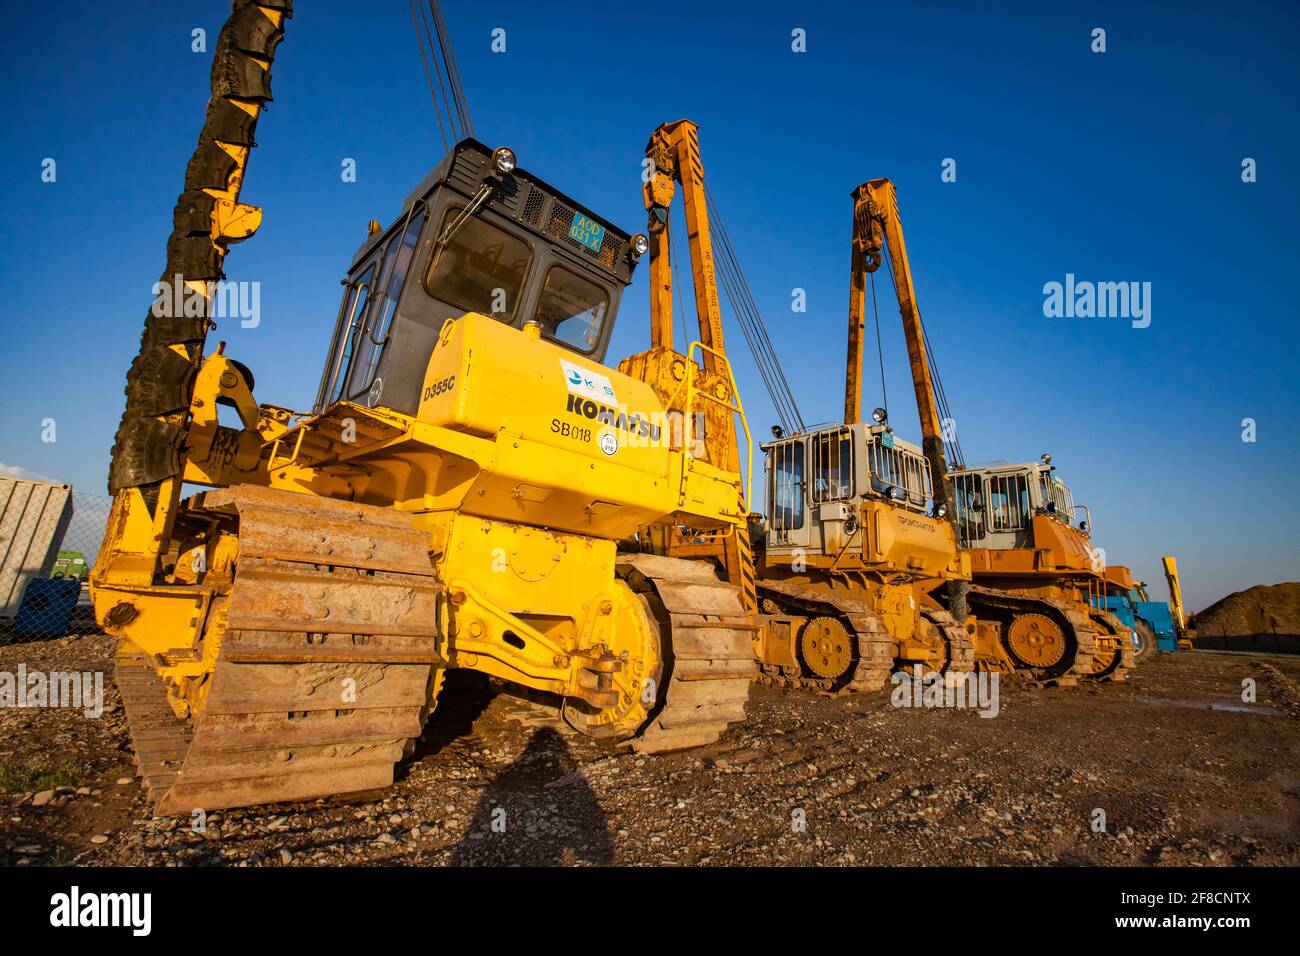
961,646
1077,619
1126,660
708,648
875,647
328,649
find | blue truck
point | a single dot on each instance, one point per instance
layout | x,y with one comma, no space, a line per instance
1155,625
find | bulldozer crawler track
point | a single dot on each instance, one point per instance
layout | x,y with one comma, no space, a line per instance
324,672
1075,617
874,660
959,644
707,641
1126,659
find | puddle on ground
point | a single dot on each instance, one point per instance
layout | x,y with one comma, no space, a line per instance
1212,705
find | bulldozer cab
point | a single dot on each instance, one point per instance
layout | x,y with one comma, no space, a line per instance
479,235
995,506
816,482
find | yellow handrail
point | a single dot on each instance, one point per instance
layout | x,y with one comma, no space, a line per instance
736,408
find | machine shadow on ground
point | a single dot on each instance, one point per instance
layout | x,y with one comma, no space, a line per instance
538,811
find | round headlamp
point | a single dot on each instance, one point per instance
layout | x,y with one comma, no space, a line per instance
503,160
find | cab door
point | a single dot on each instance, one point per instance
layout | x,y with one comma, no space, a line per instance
788,525
347,334
378,326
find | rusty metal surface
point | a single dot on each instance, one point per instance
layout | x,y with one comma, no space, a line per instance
708,650
1080,633
1117,656
874,657
959,646
325,671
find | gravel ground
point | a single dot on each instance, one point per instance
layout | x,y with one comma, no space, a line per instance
1183,772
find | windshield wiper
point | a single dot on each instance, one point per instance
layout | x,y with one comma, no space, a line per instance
455,225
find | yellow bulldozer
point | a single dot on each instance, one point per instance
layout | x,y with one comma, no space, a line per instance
473,489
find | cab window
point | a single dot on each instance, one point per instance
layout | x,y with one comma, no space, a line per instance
1008,502
481,268
968,498
374,337
787,486
572,310
356,297
832,466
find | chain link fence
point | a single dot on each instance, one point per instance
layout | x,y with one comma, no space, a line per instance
49,540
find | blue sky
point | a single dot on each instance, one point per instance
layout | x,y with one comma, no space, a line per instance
1122,166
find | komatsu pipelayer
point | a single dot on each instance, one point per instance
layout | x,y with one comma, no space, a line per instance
868,555
861,569
1039,585
857,535
455,500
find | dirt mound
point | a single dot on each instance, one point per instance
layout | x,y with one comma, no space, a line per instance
1266,609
